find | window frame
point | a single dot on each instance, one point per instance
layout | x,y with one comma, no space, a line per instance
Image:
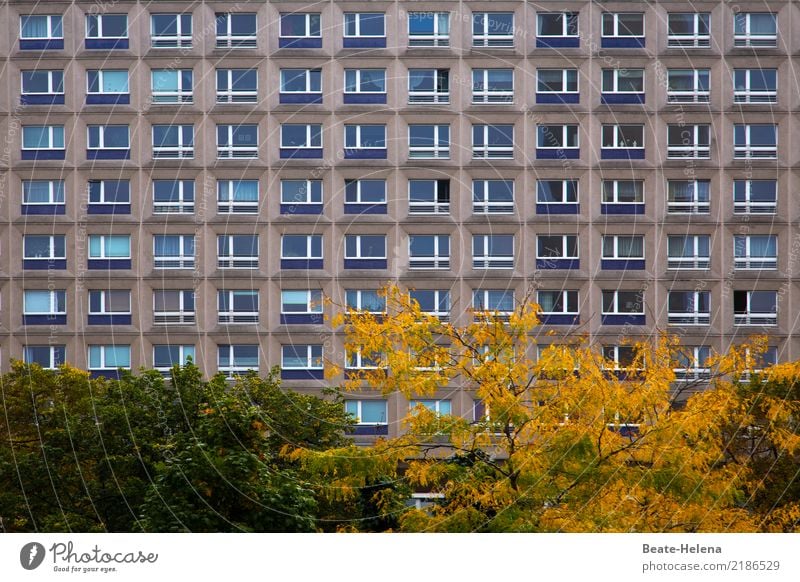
183,316
233,151
179,151
439,260
486,151
748,95
313,362
696,206
435,151
100,17
484,260
695,261
183,355
233,41
52,192
616,25
696,95
748,204
750,40
307,73
359,255
750,317
51,135
232,260
103,359
53,355
696,149
695,39
233,369
104,239
565,82
695,317
101,133
51,85
183,260
230,95
51,28
182,206
357,22
435,207
309,191
486,96
488,40
430,97
178,40
436,38
747,262
57,299
486,205
182,95
229,205
616,253
105,307
747,151
232,316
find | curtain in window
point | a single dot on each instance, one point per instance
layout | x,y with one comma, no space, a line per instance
632,246
165,81
763,246
118,246
547,301
38,191
34,27
681,191
95,356
118,356
373,411
678,246
115,82
762,24
37,301
167,246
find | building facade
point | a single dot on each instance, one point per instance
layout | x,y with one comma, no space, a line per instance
192,178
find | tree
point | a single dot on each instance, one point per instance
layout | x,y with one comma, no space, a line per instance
566,441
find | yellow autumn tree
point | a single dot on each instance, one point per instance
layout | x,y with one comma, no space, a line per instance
564,440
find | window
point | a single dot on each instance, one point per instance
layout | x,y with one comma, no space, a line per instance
428,29
365,196
48,357
301,196
109,251
233,360
428,141
173,142
106,31
688,141
689,308
620,358
106,359
755,308
165,356
688,30
301,306
237,85
237,141
493,251
755,141
365,251
237,306
173,196
429,251
691,251
760,362
688,196
622,197
557,141
107,87
171,86
622,86
367,411
433,302
438,407
429,86
557,307
364,141
755,196
357,360
557,251
44,306
42,87
173,307
108,142
365,85
173,251
755,85
364,30
557,86
623,251
365,300
301,86
557,30
236,30
43,197
556,196
755,251
110,307
493,141
301,140
498,301
493,29
493,196
755,29
492,85
300,30
44,251
237,251
301,251
622,30
109,197
41,32
301,361
171,30
622,142
688,85
429,196
237,196
43,142
622,307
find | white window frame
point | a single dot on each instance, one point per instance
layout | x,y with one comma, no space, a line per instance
233,261
564,81
565,17
359,182
358,25
51,201
695,40
231,205
696,206
180,317
307,74
51,352
103,255
236,152
615,192
428,208
313,306
309,246
230,96
487,97
182,206
437,261
564,188
181,151
748,151
694,317
358,90
358,255
748,39
51,86
179,40
182,95
487,261
432,152
614,89
100,35
182,356
308,192
101,73
751,96
486,151
309,133
103,347
310,358
355,360
429,97
104,308
50,138
748,205
757,318
487,40
359,306
486,205
565,301
50,27
485,301
750,263
103,201
437,300
232,316
694,96
307,18
230,40
615,25
564,137
616,303
182,261
359,145
234,370
101,136
437,38
695,150
358,415
695,261
616,256
616,132
52,256
53,299
565,240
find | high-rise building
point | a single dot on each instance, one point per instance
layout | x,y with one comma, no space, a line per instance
192,178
